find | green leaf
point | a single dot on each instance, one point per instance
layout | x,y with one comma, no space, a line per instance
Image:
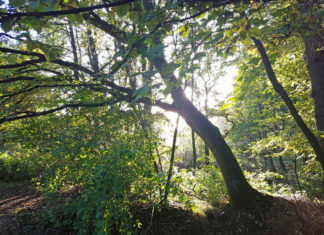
33,4
83,4
199,55
182,198
122,10
247,42
7,25
115,65
320,12
155,52
140,93
148,74
230,102
217,37
255,32
169,68
75,18
133,15
17,3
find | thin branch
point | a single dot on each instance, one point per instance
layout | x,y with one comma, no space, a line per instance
8,50
29,114
63,12
128,98
73,65
26,89
25,78
41,59
23,64
9,36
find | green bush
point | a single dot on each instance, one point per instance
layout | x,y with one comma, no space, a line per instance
16,167
269,182
109,179
214,188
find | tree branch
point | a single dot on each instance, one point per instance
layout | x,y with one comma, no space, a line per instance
8,50
63,12
30,114
26,89
16,79
23,64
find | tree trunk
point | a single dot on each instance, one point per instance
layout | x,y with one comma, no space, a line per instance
292,109
206,115
93,55
74,51
282,164
314,56
193,141
167,186
241,194
272,167
207,154
239,190
194,152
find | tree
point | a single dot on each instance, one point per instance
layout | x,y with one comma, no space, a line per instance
314,57
144,38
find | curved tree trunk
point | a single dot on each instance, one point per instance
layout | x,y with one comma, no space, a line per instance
239,190
241,194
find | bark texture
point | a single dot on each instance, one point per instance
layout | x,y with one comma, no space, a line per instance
239,190
314,56
282,164
272,167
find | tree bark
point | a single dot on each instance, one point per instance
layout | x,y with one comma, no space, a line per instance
314,56
291,107
93,55
167,186
272,167
282,164
239,190
241,194
74,51
193,141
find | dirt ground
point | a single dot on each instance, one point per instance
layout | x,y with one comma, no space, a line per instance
20,204
19,198
15,198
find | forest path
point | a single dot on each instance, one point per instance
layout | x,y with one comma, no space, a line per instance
16,197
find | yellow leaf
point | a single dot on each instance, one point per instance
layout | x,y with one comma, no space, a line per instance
256,5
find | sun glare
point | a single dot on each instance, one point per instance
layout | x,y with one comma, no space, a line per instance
222,89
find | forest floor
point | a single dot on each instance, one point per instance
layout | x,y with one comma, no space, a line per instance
21,204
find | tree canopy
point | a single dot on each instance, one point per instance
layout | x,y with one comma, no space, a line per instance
79,80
